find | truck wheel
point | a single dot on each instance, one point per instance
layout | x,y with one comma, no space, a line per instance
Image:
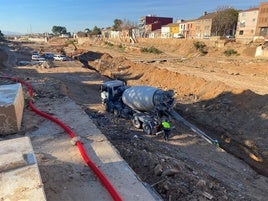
116,112
136,123
147,128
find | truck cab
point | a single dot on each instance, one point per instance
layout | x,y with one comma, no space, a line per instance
111,92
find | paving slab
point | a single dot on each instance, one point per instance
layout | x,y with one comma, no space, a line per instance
19,174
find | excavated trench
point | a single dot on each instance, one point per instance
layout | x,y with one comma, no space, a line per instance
216,108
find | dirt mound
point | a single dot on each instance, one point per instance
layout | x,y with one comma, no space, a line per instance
144,74
239,121
230,115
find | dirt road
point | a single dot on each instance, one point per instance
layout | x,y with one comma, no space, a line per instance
186,167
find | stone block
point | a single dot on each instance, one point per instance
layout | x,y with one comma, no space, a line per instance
11,108
19,173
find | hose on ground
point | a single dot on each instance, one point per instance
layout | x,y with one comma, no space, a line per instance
106,183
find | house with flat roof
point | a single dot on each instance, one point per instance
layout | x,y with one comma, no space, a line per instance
246,25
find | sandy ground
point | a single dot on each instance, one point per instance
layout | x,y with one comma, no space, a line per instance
224,96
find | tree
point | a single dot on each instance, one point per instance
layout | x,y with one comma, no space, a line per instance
96,31
117,25
57,30
224,22
1,36
127,24
87,30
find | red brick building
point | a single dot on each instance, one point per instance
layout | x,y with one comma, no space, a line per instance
152,23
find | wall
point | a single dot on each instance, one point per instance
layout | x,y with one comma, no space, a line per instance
246,25
38,40
261,52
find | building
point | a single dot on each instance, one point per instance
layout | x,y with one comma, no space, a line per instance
150,23
169,30
246,25
182,26
165,31
262,22
203,25
187,28
174,29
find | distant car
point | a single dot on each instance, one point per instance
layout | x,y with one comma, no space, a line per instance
60,58
230,36
37,57
178,36
35,53
49,55
206,36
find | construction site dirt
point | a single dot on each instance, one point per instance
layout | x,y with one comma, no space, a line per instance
226,97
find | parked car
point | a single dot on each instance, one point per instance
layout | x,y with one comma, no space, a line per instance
230,36
178,36
35,53
60,58
206,36
49,55
37,57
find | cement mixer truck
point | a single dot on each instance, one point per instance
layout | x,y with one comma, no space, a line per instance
146,106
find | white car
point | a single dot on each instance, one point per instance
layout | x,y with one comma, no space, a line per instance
60,58
37,57
178,36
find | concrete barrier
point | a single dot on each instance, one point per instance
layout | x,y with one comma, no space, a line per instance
261,52
11,108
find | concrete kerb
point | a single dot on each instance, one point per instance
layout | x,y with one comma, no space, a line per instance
101,152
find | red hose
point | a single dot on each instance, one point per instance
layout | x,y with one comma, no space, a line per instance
106,183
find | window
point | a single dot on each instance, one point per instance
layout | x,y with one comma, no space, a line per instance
242,24
241,32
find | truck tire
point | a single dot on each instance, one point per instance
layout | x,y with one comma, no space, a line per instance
116,113
147,129
136,123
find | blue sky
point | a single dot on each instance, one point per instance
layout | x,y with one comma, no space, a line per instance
39,16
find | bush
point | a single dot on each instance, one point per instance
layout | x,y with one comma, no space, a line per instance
201,47
230,52
109,44
151,50
122,47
